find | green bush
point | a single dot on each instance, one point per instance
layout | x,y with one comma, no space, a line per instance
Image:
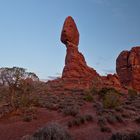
88,97
110,97
106,90
111,100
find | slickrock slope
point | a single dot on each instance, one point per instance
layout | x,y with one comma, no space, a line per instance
128,68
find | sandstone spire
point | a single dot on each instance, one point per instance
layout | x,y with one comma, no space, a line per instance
75,64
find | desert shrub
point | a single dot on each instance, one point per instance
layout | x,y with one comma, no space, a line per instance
3,93
26,137
51,106
88,97
52,131
27,118
70,124
106,90
89,94
23,100
119,109
28,114
77,122
111,99
126,114
80,120
126,136
35,101
132,93
105,128
111,119
137,120
119,118
93,90
99,108
88,117
102,120
71,110
102,124
16,79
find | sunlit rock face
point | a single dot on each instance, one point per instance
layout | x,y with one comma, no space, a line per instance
76,73
111,80
70,32
128,68
75,64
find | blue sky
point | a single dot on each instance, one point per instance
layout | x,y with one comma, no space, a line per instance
30,32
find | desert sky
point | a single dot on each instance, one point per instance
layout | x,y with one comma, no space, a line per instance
30,33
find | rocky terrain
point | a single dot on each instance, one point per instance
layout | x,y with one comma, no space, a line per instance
80,105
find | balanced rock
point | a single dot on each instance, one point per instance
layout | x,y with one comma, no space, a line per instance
128,68
75,64
70,32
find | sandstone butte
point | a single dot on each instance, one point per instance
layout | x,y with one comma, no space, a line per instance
78,75
128,68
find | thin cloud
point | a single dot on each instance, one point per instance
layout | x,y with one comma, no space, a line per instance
52,77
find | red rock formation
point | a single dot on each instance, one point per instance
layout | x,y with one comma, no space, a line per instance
128,68
76,73
70,32
111,80
75,64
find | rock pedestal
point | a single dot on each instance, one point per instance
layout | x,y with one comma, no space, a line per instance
75,64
